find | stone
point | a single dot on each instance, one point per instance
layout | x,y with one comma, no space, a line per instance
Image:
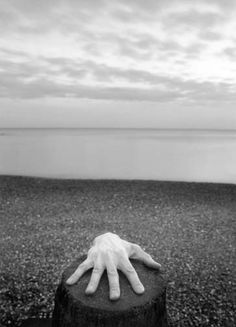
73,308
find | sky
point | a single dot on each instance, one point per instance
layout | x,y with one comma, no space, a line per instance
103,63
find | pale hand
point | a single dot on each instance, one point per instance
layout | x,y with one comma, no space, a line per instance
110,252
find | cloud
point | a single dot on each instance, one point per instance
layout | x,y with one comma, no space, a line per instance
194,19
100,49
210,35
230,52
43,79
158,5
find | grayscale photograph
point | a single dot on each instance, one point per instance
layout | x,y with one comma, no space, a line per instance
117,163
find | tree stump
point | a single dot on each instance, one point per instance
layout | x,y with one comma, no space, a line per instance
73,308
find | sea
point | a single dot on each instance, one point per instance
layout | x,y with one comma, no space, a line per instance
120,153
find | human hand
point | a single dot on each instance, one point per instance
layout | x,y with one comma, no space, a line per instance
110,252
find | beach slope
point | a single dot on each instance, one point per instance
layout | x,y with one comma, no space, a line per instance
188,227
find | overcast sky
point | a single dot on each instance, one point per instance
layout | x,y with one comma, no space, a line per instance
118,63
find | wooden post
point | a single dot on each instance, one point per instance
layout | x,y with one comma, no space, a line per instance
73,308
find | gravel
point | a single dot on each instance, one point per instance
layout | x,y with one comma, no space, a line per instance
188,227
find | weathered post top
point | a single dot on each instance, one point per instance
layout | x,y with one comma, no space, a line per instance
73,308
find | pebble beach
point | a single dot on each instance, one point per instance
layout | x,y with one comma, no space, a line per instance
188,227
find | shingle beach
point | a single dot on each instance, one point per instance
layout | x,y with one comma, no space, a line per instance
188,227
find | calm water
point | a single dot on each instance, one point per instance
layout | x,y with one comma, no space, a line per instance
190,155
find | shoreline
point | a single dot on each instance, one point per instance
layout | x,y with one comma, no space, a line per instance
110,180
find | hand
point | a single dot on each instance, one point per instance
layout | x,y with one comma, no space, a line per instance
110,252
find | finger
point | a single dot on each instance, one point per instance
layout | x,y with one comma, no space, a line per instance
83,267
113,279
139,253
132,276
95,279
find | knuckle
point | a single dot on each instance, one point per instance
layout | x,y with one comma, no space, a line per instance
133,248
92,253
96,270
137,247
112,272
91,284
129,270
114,288
121,254
83,265
107,252
137,284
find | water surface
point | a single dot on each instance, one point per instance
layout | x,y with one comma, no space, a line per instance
189,155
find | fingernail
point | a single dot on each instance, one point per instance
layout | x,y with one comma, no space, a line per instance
89,290
114,296
156,264
140,289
